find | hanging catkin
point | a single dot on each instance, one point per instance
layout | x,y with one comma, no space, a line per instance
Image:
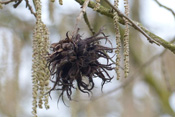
43,70
126,41
118,41
40,74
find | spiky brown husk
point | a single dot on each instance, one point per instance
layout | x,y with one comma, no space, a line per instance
76,59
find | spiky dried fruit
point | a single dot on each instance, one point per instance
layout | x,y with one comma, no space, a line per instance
76,59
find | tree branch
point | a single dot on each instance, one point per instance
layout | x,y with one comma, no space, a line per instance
167,8
107,12
88,23
130,21
85,4
30,7
17,2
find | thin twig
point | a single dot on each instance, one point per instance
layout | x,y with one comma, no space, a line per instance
85,4
7,2
17,3
132,23
167,8
88,23
30,8
34,3
107,12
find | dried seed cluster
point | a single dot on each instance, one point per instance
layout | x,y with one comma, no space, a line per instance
76,60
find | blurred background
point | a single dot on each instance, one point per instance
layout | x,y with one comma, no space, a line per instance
148,92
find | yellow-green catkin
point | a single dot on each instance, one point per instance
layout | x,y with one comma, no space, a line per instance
97,5
61,2
40,74
35,75
126,41
118,41
45,69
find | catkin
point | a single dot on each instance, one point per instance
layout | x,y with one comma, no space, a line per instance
35,69
35,74
126,41
40,74
118,41
45,69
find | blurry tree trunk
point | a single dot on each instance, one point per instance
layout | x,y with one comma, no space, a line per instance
9,93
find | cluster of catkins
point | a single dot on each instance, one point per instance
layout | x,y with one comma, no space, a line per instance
125,40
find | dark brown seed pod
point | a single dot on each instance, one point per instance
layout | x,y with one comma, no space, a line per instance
76,59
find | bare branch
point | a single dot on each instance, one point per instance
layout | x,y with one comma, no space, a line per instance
167,8
88,23
30,8
85,4
132,23
17,2
105,11
7,2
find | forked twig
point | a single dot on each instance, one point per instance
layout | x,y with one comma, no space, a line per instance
85,4
88,23
30,7
107,12
167,8
7,2
17,2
